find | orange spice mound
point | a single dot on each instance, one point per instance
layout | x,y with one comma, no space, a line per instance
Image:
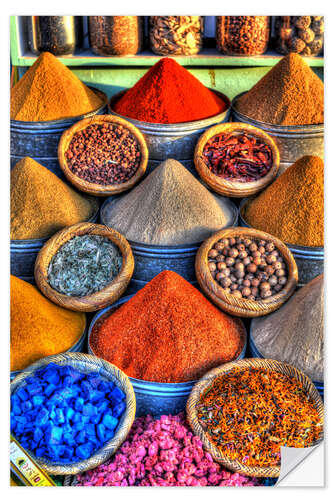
168,332
50,91
168,93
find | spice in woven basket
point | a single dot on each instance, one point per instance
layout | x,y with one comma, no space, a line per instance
104,154
41,204
292,207
39,328
176,35
163,209
168,332
249,414
168,93
237,156
289,94
50,91
295,333
162,452
84,265
248,268
65,415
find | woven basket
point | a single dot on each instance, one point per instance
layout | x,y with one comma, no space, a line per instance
97,300
244,308
235,189
90,187
244,364
86,364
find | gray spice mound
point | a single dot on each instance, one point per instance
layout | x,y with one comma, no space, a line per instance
295,333
170,207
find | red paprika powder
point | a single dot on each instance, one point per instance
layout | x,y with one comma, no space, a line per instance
168,93
168,332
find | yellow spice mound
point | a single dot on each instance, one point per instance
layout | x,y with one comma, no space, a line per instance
41,204
39,328
292,207
50,91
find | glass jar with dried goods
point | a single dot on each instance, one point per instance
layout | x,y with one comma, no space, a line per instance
301,34
116,35
60,35
176,35
242,35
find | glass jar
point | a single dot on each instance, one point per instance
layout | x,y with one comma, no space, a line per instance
176,35
301,34
242,35
60,35
115,35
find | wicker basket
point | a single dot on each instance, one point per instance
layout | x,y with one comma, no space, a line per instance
244,308
235,189
87,363
245,364
97,300
90,187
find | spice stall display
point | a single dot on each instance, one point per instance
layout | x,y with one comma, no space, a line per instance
115,35
176,35
162,452
167,332
295,333
301,34
39,328
292,207
242,35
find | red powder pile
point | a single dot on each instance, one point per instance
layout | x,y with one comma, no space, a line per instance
168,93
168,332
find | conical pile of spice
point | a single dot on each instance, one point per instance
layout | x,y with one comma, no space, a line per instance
50,91
41,204
168,93
295,333
168,332
39,328
289,94
170,207
292,207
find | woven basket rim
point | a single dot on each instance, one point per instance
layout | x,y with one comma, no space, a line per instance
115,374
244,364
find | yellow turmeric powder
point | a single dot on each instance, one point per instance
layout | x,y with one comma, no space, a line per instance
292,207
39,328
50,91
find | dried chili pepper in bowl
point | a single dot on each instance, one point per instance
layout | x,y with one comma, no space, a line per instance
236,159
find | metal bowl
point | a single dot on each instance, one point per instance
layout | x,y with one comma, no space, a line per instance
309,260
174,140
153,397
293,141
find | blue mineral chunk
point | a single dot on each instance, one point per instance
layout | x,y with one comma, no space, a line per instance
109,434
104,405
67,427
89,410
56,450
86,387
90,429
53,435
22,394
68,453
96,396
79,404
13,422
33,389
52,413
67,381
95,419
38,434
68,438
26,406
69,371
101,432
66,392
85,419
51,375
116,394
94,379
104,386
78,426
15,399
109,421
69,413
119,409
16,409
20,428
84,451
60,417
77,417
56,398
81,437
21,419
38,400
49,389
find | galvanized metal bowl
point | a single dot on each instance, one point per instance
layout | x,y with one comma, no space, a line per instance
150,260
309,260
153,397
293,141
174,140
39,140
23,253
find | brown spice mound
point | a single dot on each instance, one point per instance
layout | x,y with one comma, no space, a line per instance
41,204
50,91
292,207
168,332
289,94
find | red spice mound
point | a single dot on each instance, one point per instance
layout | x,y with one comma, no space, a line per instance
168,332
168,93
